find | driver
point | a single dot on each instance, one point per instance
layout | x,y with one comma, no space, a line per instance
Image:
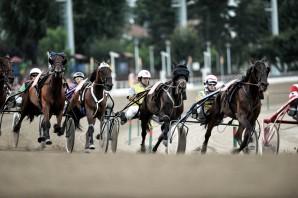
143,82
34,72
210,83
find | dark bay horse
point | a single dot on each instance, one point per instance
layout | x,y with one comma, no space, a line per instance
241,101
166,102
47,97
6,78
93,99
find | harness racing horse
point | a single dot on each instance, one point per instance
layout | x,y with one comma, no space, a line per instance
93,99
48,98
6,78
240,101
166,102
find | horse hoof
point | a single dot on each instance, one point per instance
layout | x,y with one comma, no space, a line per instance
60,133
41,139
154,150
198,149
165,143
204,149
48,142
235,151
91,147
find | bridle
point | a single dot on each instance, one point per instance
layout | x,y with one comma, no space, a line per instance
176,87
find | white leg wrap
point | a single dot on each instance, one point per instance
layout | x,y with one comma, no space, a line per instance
131,112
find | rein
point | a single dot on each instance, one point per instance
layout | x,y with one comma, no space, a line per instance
251,84
135,99
171,98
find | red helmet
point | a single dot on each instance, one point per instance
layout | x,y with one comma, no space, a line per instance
294,87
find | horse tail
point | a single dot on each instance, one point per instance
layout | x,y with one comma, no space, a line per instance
75,114
77,123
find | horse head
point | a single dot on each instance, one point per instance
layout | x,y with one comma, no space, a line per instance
6,72
258,74
57,62
104,76
180,78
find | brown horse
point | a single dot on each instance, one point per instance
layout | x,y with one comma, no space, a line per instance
241,101
47,99
6,78
166,102
92,99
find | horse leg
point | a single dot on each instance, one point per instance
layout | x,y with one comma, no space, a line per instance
144,123
89,134
17,127
165,130
57,127
45,136
247,125
238,134
207,136
46,125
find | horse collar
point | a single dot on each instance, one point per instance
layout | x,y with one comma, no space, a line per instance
96,100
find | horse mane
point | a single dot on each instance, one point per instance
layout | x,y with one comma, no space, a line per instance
93,76
4,61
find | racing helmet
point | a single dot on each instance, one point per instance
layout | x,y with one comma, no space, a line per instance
35,71
210,80
78,74
144,74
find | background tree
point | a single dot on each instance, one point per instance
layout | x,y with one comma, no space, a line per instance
213,21
53,41
159,18
185,42
97,19
25,22
250,25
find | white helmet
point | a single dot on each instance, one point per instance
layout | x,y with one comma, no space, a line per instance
78,74
35,71
103,64
210,79
144,74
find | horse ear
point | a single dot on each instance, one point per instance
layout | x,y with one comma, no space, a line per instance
252,61
51,60
264,59
96,62
268,69
64,61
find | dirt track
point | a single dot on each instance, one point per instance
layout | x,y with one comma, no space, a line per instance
29,172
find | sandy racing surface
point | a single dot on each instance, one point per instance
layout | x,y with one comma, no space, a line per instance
29,171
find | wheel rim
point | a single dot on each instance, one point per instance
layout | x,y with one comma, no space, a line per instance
16,135
70,135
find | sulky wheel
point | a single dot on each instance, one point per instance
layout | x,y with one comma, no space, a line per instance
253,143
177,139
104,135
15,120
271,139
70,134
114,135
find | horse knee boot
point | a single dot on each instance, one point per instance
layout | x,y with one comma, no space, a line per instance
45,136
58,130
89,138
184,97
46,125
